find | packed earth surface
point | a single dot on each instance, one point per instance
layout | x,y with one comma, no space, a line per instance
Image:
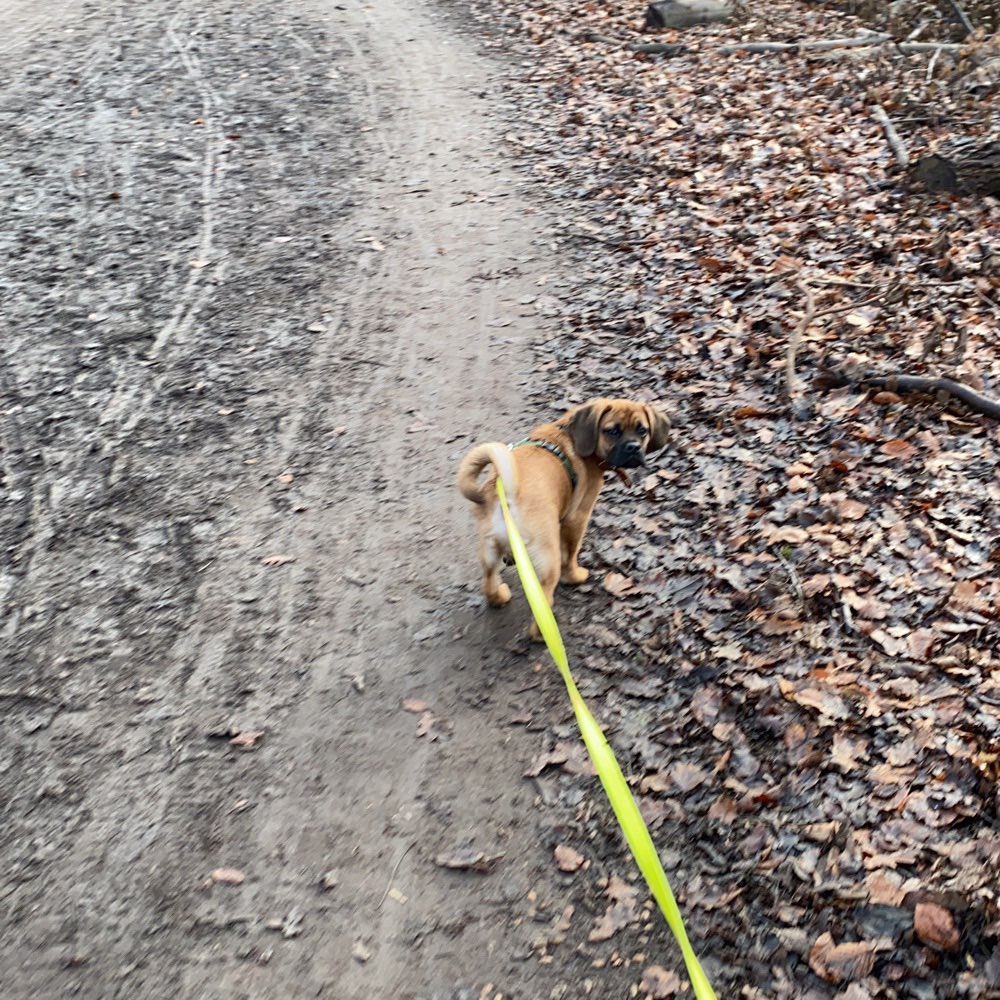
270,269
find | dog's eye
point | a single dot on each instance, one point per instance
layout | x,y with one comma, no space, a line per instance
613,431
640,430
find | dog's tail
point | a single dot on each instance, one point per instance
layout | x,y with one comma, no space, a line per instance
493,453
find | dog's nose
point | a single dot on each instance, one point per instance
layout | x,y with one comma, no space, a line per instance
632,449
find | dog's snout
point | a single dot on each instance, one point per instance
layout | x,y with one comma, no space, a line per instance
627,455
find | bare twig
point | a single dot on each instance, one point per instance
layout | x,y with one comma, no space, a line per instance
909,48
796,339
793,577
833,310
930,67
962,17
809,317
988,301
395,869
896,144
818,279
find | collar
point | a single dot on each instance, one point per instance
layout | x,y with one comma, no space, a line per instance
555,450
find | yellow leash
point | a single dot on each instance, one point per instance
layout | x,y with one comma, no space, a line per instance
622,802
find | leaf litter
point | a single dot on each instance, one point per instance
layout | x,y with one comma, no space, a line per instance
791,638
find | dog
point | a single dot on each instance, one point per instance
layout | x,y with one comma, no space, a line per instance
552,479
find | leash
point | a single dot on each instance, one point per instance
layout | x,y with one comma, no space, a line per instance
623,803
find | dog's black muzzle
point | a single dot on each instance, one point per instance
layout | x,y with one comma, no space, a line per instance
626,455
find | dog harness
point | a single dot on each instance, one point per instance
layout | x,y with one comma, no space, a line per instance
555,450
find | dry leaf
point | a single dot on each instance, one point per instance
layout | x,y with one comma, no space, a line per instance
838,963
935,925
884,887
851,510
847,752
277,560
659,983
688,777
247,740
228,876
618,585
789,534
822,833
415,705
723,809
468,859
898,448
622,911
567,859
921,642
826,702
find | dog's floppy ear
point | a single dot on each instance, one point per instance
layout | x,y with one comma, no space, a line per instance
583,425
659,430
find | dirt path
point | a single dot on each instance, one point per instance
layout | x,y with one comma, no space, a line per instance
266,288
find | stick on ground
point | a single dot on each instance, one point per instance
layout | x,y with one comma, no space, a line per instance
896,144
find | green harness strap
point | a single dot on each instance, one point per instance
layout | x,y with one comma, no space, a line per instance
555,450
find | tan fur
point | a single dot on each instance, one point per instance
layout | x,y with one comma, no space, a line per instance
551,516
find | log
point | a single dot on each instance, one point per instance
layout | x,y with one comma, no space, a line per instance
687,13
962,166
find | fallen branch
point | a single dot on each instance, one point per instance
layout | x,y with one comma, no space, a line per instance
975,401
659,48
824,44
891,136
916,383
816,44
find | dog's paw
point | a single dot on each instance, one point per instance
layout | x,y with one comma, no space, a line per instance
575,574
535,633
499,597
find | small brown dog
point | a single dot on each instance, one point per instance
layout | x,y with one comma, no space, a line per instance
552,480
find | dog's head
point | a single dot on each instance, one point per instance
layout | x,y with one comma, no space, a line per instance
617,432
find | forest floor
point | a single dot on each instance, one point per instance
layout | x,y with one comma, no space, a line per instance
273,269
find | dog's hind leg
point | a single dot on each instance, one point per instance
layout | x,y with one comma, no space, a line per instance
571,538
497,592
546,563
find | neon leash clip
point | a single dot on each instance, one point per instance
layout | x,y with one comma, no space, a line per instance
623,803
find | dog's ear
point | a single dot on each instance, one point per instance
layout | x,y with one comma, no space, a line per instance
584,425
659,430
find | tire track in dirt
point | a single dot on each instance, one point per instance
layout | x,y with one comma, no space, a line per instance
312,406
385,781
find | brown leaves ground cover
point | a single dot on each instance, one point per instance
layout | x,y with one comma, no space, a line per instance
802,674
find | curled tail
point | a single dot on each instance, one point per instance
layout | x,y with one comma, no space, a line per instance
493,453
